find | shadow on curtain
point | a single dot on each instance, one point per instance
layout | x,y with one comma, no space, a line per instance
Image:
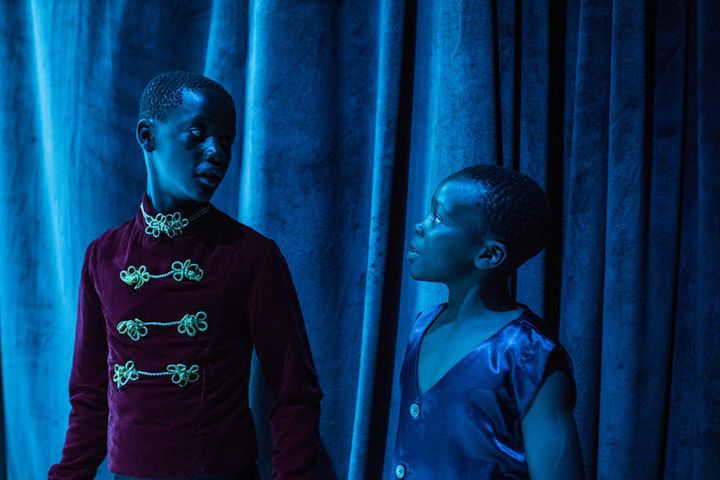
350,113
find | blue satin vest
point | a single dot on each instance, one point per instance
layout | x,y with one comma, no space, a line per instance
468,424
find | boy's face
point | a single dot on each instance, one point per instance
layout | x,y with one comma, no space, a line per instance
448,238
191,150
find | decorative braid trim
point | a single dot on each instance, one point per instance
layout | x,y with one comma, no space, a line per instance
125,373
179,373
180,271
170,224
188,325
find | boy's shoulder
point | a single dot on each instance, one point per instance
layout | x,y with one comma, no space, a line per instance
540,336
245,236
535,324
112,234
529,326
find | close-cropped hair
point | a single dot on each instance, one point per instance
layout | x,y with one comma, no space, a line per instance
164,92
515,210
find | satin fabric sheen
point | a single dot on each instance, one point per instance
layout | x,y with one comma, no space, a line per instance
468,424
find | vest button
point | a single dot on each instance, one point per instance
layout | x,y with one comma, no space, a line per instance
400,471
414,410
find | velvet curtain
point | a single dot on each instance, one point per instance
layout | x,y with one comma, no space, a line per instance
350,112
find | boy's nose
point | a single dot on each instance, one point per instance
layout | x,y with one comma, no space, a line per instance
214,153
418,229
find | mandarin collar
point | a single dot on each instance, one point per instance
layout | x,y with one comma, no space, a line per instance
181,219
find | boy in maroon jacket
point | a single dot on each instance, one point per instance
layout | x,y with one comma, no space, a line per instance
172,303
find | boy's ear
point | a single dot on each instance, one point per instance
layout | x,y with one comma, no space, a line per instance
491,255
145,135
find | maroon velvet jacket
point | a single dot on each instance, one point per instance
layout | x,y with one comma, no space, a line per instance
181,406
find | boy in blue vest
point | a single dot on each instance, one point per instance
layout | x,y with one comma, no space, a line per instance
172,304
486,391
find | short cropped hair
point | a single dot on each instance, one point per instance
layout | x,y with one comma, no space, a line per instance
515,209
164,92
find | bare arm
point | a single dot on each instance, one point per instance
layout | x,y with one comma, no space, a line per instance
550,434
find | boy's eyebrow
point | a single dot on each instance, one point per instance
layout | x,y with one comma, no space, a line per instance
448,210
199,118
203,119
435,204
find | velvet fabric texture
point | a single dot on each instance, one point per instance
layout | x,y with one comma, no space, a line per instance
349,114
235,285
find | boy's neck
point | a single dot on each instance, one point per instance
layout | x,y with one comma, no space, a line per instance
165,203
162,205
481,301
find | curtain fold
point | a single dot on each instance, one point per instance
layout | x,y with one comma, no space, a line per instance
388,157
349,114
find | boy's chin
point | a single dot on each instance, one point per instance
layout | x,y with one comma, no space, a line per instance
419,275
423,275
201,198
204,193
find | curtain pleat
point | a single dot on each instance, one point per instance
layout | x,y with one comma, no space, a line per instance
349,114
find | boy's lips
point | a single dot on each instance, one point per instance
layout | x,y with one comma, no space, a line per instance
412,253
210,175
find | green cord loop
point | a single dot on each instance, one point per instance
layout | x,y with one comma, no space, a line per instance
134,328
181,375
192,324
182,270
135,276
125,373
188,325
170,224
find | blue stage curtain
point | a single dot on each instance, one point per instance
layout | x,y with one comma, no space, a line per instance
350,112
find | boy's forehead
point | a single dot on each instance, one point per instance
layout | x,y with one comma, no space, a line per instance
206,104
191,98
459,194
461,202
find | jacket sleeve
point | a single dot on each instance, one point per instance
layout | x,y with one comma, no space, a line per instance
86,438
282,347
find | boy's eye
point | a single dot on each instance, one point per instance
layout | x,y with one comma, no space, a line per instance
197,132
436,218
